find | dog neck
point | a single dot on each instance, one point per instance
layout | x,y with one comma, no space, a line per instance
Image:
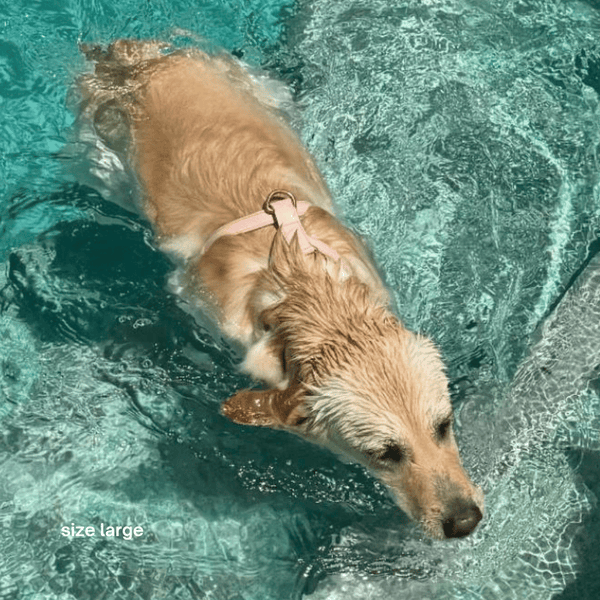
281,210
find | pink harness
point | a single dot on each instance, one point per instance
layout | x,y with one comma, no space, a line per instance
282,210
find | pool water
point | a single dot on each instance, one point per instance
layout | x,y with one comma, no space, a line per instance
461,137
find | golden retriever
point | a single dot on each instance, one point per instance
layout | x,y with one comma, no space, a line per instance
209,143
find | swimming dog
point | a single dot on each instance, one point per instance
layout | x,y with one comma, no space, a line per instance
230,189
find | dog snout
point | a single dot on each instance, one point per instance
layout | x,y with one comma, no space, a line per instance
461,519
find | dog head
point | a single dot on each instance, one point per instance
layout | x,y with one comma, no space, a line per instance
368,389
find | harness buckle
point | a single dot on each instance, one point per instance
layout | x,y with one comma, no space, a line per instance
276,195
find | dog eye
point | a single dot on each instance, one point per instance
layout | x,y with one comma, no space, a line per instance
444,428
391,453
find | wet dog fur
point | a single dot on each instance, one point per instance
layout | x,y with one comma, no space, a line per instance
208,141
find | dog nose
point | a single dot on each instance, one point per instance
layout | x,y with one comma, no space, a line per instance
463,519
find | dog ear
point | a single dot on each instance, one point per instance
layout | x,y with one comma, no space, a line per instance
280,409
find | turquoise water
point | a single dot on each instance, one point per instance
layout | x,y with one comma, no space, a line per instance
461,138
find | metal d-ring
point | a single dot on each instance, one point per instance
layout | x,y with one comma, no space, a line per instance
277,195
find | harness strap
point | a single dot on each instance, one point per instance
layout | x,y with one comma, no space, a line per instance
281,210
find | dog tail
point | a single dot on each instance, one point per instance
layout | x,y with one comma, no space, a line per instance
106,100
124,53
